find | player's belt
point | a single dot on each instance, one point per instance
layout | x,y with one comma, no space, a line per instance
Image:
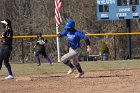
75,47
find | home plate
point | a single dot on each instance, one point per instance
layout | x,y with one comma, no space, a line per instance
23,79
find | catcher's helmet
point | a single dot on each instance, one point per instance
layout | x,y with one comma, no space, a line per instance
69,24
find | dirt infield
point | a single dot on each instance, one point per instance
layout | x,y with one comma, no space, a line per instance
118,81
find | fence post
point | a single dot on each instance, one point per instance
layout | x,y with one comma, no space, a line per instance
128,27
22,50
114,47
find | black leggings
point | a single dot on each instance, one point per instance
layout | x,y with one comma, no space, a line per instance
4,56
42,52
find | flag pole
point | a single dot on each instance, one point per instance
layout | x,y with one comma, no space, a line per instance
58,5
58,44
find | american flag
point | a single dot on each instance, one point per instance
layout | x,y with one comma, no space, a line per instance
58,5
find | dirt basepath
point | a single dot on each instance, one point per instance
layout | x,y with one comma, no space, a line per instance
120,81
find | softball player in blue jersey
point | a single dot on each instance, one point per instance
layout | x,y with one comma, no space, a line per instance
73,37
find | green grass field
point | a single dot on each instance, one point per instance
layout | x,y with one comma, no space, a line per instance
33,69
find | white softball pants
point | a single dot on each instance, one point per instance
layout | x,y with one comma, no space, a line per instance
72,55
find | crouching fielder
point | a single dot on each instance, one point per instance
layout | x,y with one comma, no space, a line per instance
39,49
73,37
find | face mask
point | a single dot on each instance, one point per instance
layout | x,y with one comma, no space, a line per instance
70,29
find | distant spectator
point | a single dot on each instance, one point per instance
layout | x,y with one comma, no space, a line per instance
104,51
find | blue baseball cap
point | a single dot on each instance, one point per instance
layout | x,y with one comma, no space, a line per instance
69,24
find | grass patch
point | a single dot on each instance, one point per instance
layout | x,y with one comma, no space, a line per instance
33,69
